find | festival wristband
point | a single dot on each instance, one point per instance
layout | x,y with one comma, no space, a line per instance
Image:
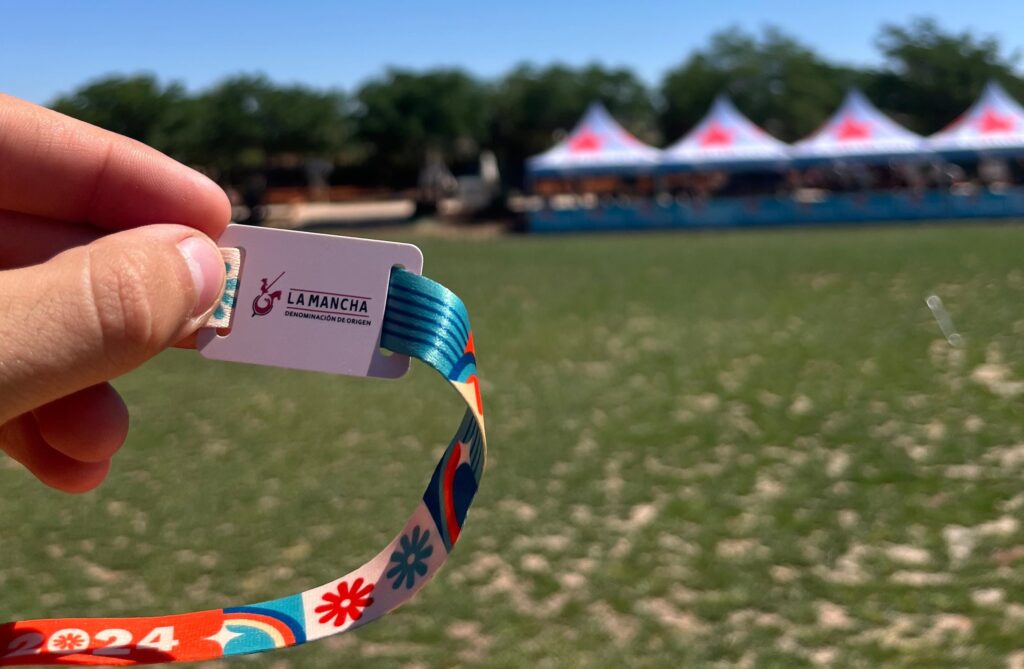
323,289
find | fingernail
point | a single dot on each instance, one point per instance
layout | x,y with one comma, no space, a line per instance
207,267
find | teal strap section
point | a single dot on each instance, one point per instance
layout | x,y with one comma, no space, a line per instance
425,320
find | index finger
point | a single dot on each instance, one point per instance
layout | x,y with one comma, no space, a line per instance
56,167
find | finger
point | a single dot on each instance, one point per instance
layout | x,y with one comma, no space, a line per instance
21,440
97,311
189,341
27,240
89,425
56,167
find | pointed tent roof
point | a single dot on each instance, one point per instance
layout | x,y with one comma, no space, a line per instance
859,131
725,137
597,144
994,122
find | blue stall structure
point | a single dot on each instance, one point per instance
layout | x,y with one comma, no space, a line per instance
860,166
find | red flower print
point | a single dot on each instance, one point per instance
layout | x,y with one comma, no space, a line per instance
348,603
69,641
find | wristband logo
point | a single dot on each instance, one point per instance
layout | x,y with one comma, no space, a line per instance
263,303
328,307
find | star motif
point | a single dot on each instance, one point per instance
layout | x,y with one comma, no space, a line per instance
992,122
224,636
584,142
851,129
715,135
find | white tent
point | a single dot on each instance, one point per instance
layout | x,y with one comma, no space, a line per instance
598,144
725,138
994,123
858,131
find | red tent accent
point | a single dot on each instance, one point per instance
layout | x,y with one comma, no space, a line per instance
851,128
992,122
584,142
715,135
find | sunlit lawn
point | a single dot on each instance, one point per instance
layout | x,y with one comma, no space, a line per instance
750,450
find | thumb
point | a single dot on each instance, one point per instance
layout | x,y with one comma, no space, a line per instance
97,311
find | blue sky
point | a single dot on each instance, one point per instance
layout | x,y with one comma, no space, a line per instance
47,47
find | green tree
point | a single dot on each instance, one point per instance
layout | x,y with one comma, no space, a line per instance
774,79
303,121
236,125
137,106
534,106
243,121
222,127
403,115
930,76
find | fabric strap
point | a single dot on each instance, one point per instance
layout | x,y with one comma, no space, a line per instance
423,320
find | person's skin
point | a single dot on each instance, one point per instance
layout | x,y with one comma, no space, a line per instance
105,260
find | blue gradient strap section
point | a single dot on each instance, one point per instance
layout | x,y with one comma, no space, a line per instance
425,320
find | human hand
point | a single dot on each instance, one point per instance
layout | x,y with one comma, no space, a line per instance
105,260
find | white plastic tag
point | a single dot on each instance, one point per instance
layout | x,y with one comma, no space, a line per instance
310,301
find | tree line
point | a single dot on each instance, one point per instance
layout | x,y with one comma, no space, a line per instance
380,133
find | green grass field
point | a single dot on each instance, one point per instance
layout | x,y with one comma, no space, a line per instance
706,450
